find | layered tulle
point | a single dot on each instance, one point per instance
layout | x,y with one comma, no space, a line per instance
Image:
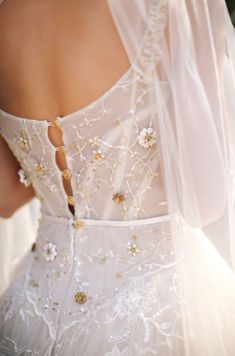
191,50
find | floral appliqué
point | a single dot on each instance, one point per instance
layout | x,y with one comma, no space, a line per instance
50,251
119,197
147,137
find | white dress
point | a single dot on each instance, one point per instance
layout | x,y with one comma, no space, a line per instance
103,281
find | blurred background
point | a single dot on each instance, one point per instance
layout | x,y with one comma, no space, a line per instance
231,7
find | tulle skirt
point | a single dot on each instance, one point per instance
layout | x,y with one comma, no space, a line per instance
99,289
96,288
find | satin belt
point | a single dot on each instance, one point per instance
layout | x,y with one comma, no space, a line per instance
89,222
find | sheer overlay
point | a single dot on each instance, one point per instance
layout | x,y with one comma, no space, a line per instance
196,58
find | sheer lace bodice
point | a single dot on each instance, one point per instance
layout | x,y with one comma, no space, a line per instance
112,155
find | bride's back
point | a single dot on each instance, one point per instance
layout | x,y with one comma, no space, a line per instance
56,56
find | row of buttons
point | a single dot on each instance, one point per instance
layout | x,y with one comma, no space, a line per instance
66,173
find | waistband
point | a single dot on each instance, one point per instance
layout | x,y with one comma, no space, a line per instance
80,223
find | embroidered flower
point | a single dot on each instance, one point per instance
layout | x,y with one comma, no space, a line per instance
135,300
132,249
50,251
98,155
39,169
119,198
80,297
147,137
24,179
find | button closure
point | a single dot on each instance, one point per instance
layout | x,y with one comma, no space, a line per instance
71,200
62,150
78,224
66,174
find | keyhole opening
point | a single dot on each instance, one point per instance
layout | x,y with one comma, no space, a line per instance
55,135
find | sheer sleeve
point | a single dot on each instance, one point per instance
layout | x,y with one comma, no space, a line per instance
195,123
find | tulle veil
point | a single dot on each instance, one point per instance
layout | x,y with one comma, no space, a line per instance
187,49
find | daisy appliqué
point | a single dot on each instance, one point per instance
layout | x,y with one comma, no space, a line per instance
147,137
50,251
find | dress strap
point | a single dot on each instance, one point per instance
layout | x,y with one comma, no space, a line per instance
141,27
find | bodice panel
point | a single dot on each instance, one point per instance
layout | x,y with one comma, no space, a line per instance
112,153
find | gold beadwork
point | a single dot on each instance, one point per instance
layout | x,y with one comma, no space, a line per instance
78,224
55,124
80,297
39,169
119,198
98,155
62,150
71,200
66,174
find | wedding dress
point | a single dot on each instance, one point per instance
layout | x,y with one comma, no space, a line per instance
143,262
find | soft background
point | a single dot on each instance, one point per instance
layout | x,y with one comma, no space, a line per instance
18,233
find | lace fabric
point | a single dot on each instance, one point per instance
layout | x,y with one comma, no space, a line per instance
108,151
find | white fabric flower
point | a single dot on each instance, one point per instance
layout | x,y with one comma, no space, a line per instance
147,137
24,179
50,251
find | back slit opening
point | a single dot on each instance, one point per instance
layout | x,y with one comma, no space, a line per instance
55,136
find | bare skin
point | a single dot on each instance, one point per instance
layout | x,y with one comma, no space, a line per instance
57,56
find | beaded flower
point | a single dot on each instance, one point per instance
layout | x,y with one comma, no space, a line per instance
50,251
